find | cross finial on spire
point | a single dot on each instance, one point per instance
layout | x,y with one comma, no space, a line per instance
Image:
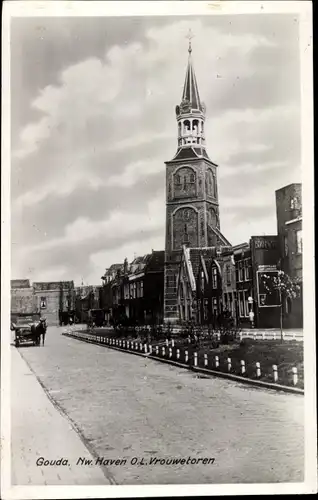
189,36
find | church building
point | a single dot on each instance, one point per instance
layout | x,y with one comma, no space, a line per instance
193,236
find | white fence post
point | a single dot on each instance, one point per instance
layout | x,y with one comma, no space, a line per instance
205,360
178,353
295,375
258,369
254,335
241,336
150,349
172,343
217,362
242,366
167,342
145,348
157,350
263,336
140,347
275,373
275,337
170,352
163,351
195,359
186,356
229,364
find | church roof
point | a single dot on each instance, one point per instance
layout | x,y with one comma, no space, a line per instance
191,153
190,89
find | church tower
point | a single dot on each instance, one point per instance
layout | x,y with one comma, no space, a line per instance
192,205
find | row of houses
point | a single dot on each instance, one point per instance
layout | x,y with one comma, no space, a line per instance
211,281
215,280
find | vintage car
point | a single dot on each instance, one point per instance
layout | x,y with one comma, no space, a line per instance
21,325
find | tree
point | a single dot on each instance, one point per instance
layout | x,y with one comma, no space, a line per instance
286,288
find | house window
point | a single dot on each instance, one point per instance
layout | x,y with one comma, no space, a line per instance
243,303
141,289
202,281
205,310
214,278
228,274
240,270
247,269
299,241
236,273
294,203
134,290
43,302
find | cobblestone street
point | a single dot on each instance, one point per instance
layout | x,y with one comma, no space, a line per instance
126,406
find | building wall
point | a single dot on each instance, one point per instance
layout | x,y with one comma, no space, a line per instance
23,301
289,228
51,297
288,208
265,257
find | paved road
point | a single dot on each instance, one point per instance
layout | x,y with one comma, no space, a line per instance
127,406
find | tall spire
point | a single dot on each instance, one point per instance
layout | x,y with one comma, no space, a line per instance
190,89
191,111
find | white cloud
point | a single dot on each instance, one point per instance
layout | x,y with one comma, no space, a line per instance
109,124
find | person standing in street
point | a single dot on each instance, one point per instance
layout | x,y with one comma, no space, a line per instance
251,316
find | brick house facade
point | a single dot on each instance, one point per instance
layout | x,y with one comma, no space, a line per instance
53,298
289,229
135,291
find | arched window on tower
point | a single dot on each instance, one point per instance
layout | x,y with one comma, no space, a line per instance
186,127
214,186
185,182
195,127
210,181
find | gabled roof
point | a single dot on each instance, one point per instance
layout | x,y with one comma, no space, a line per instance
207,253
217,238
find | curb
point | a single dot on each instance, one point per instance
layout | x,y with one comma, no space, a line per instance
229,376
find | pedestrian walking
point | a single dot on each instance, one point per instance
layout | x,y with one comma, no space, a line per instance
251,316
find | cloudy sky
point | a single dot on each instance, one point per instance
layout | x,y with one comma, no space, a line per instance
93,120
